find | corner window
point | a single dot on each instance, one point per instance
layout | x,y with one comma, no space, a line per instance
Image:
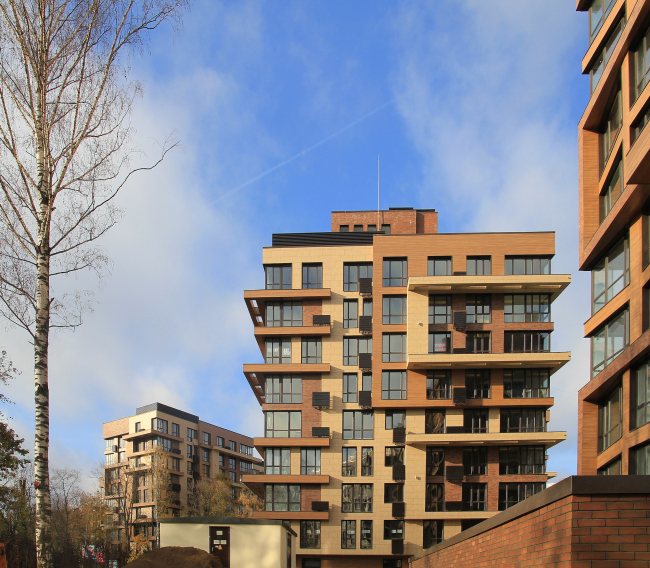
280,314
596,71
278,276
609,341
526,341
526,383
610,275
478,266
439,266
312,276
598,12
641,66
393,310
610,418
612,190
395,272
393,348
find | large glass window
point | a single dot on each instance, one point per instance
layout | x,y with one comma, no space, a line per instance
434,421
367,457
358,424
278,276
640,395
609,341
309,534
475,420
475,461
352,346
526,341
526,383
312,275
395,419
394,456
640,460
612,191
478,266
282,497
393,385
350,314
438,384
522,460
523,420
311,350
512,493
440,342
352,273
285,389
395,272
348,534
596,71
598,12
474,496
439,309
610,275
393,492
610,130
478,308
280,314
278,351
641,67
431,533
282,424
435,461
356,498
349,462
393,347
310,461
434,497
526,308
394,310
478,341
439,266
350,387
477,383
528,265
277,461
610,418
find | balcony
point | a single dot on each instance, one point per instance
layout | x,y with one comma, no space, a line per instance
255,373
293,515
255,299
303,330
458,437
421,361
314,442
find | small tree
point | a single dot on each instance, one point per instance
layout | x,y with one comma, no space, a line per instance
218,497
160,486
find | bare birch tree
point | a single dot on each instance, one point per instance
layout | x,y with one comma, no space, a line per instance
65,146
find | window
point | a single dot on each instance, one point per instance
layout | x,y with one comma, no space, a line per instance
641,66
278,276
350,314
431,533
366,461
609,341
526,383
283,314
476,420
439,309
343,229
393,348
610,275
526,308
357,424
598,12
348,534
393,385
192,434
246,467
367,307
358,228
438,384
190,450
282,497
610,417
435,461
640,460
372,228
478,342
612,191
528,265
386,229
356,498
639,125
349,462
526,341
366,534
312,276
394,456
246,450
285,389
440,342
512,493
434,421
309,534
393,310
610,130
366,381
474,496
206,470
232,463
613,468
478,266
393,530
282,424
349,387
310,461
640,396
475,461
352,346
477,383
278,351
176,430
311,350
597,68
523,420
138,427
395,272
395,419
439,266
393,492
352,273
176,464
277,461
221,442
159,424
221,460
478,308
434,497
205,455
522,460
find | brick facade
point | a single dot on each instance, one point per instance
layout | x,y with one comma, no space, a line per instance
405,221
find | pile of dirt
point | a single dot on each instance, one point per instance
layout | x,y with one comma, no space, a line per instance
176,557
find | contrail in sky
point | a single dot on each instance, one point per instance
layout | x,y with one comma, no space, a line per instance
301,153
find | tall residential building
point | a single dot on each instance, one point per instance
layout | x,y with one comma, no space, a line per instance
614,162
405,386
194,449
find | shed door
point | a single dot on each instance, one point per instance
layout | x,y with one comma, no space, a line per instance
220,544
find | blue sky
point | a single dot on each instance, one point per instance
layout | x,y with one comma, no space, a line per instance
472,107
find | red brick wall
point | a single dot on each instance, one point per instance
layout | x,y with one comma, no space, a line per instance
311,308
308,493
577,531
405,222
310,416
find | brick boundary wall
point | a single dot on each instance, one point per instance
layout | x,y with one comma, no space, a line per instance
581,522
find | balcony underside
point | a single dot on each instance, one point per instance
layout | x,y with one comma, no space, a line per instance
554,361
255,299
547,439
292,515
261,443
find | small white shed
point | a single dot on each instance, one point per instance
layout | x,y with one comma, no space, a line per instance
238,542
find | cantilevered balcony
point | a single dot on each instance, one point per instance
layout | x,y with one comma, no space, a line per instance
255,372
547,439
554,361
255,299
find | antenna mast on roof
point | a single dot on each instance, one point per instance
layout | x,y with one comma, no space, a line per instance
378,224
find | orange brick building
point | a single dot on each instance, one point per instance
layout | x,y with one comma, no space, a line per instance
406,382
614,166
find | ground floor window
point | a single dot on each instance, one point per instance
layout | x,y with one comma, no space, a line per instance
432,533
